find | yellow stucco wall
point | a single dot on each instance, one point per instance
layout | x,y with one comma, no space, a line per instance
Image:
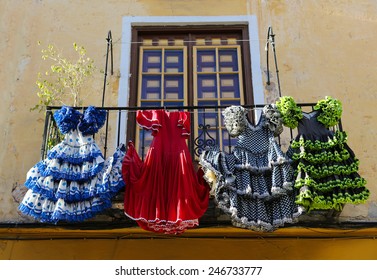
323,47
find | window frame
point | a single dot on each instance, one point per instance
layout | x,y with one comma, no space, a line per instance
188,34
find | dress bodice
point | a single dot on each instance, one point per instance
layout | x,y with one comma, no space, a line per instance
309,125
255,134
326,113
75,138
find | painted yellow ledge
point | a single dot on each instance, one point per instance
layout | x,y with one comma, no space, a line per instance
208,232
214,243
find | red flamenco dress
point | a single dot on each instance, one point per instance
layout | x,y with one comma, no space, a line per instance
163,193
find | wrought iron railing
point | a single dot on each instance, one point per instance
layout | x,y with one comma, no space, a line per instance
111,134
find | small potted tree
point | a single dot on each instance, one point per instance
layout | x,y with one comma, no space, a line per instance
61,84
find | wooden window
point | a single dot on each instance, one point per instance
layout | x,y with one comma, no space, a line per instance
163,82
190,66
217,82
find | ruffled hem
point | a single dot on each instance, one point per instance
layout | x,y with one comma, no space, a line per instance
262,226
313,201
165,226
280,161
171,228
77,192
48,211
259,225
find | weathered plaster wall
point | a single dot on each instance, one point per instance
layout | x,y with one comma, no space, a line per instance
323,47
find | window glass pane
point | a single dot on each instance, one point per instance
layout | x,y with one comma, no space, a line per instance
206,61
151,87
229,86
150,104
173,87
207,86
173,61
168,104
228,61
152,61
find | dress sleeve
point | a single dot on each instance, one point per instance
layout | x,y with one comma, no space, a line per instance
330,111
291,113
149,119
235,120
184,123
67,119
92,120
273,118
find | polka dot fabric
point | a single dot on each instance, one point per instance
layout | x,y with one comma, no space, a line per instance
254,182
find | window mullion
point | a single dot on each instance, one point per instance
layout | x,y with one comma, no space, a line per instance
162,88
220,129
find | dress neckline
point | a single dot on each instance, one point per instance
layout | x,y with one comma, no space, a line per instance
257,126
309,114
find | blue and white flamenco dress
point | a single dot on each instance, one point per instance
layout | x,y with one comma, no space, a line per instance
74,182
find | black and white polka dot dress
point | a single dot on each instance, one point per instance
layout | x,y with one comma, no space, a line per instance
253,183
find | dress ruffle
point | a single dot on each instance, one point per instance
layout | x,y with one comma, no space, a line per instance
74,182
75,154
326,168
49,211
330,111
92,120
67,119
291,113
254,183
51,200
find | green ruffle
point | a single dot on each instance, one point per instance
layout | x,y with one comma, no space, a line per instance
338,140
314,201
345,183
290,112
318,172
323,157
330,111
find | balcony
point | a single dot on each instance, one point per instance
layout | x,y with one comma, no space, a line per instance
206,125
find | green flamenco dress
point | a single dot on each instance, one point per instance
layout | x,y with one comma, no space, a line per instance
326,168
